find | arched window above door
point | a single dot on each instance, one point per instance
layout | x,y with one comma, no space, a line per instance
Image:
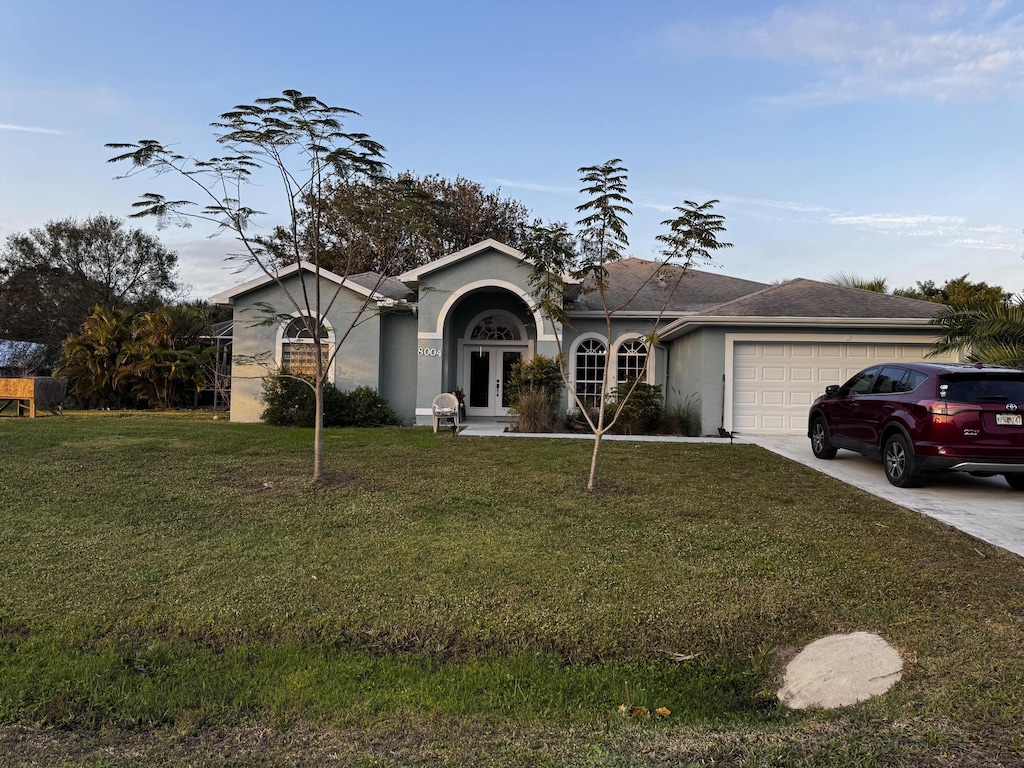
495,327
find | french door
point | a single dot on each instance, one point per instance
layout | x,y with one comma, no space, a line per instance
486,371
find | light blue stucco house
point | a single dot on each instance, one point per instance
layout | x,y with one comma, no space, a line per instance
750,356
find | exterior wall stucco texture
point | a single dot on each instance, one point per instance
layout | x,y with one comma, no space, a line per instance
256,347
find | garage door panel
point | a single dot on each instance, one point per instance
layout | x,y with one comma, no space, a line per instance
774,383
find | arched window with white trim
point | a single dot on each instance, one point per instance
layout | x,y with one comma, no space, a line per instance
631,361
495,327
588,370
298,347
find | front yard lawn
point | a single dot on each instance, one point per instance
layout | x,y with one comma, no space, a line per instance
174,591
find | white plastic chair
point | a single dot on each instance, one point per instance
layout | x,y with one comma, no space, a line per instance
446,408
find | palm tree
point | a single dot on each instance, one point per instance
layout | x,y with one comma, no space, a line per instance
851,280
92,358
984,332
164,354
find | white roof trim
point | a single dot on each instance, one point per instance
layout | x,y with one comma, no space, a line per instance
686,324
228,296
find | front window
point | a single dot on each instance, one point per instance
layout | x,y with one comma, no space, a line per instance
631,361
298,348
589,371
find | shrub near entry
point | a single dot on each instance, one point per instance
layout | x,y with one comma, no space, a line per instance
534,389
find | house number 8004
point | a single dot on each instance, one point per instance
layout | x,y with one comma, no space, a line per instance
430,352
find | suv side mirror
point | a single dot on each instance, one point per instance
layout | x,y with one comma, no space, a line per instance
832,390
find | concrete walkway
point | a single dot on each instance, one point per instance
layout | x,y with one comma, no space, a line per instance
984,507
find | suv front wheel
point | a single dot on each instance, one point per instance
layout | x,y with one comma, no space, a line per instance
898,458
820,444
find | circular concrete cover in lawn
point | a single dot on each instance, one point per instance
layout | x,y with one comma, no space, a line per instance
840,670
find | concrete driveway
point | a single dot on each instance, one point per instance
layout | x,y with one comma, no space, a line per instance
984,507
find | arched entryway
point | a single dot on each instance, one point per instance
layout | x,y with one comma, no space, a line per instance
494,341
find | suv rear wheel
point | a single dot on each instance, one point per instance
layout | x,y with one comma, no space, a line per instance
819,440
898,458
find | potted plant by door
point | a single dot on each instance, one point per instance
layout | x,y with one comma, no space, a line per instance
461,397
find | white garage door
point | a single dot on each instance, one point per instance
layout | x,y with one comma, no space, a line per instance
774,383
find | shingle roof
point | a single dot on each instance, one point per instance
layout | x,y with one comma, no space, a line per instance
645,286
810,298
386,286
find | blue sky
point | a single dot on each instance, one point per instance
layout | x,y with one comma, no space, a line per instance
873,138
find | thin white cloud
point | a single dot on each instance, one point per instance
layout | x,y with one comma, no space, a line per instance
890,222
533,187
984,244
779,205
942,230
940,51
29,129
945,231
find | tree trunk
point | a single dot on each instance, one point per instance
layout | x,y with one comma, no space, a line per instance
318,433
592,480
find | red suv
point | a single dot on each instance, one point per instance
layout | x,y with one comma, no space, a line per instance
926,417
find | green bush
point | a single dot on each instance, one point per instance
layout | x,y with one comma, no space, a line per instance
362,407
290,402
538,373
642,412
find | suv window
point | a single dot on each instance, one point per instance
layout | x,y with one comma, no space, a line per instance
915,380
983,388
859,384
895,380
890,380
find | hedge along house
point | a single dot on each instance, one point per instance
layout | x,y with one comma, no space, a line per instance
749,357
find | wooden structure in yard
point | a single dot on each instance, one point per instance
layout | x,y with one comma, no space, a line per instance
28,393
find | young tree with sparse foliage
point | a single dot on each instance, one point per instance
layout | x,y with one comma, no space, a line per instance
558,254
300,142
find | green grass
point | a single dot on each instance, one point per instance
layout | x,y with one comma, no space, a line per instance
173,589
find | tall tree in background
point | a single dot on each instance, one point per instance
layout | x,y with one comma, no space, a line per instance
557,256
51,277
300,143
956,290
405,221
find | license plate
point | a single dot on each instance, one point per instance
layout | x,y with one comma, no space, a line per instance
1008,419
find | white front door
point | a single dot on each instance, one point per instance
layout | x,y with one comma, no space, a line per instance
486,369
